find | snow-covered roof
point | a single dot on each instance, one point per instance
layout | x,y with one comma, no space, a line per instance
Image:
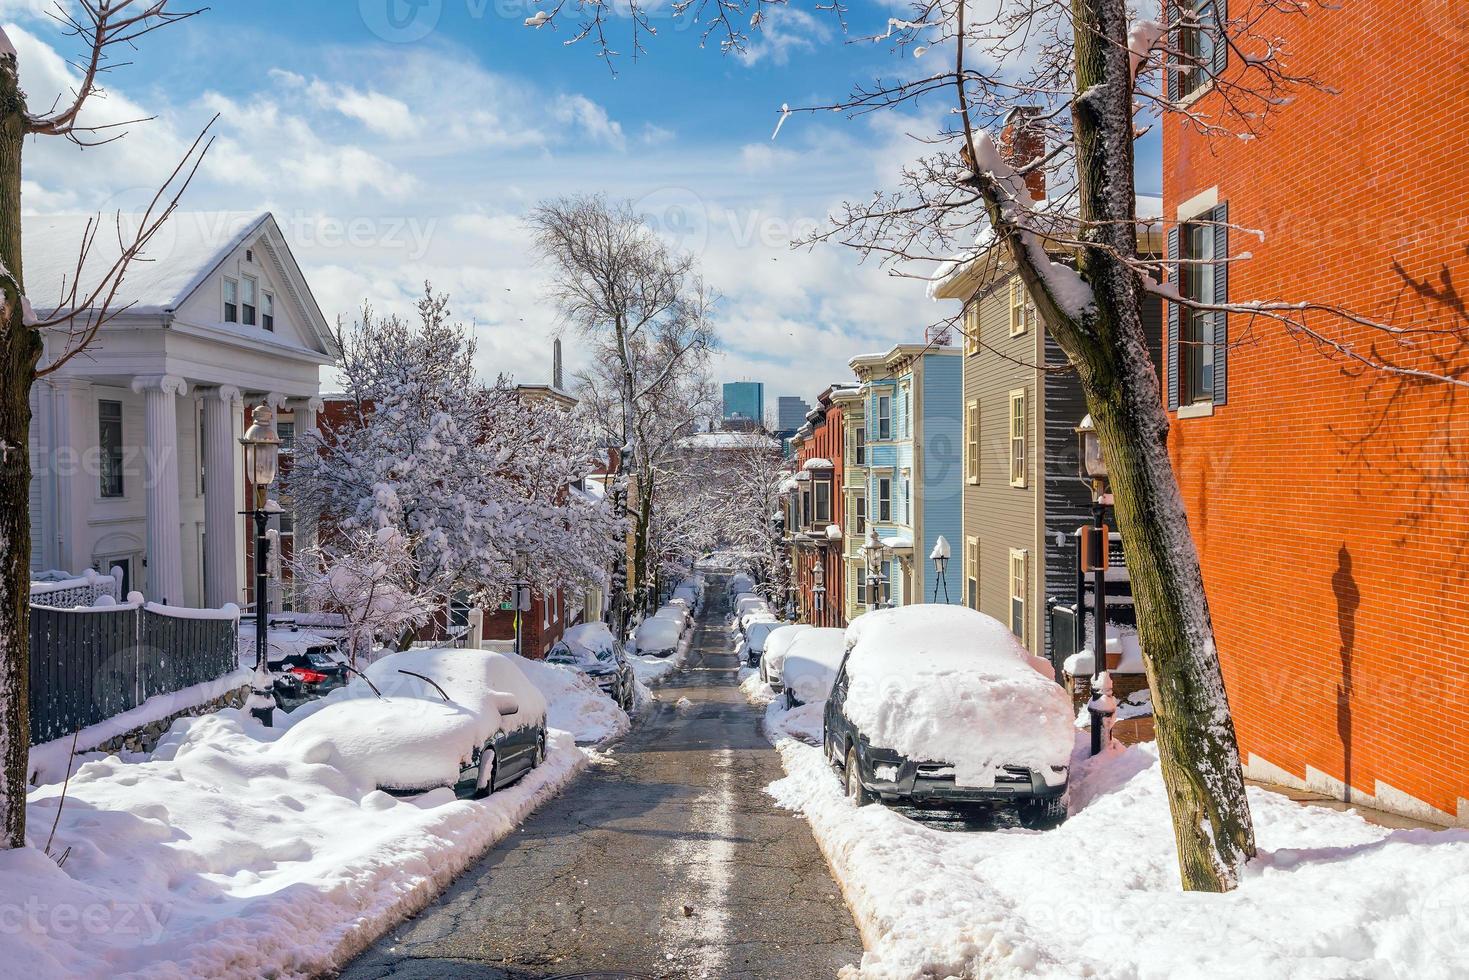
816,463
181,255
729,440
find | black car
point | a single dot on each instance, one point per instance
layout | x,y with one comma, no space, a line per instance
872,772
592,649
303,675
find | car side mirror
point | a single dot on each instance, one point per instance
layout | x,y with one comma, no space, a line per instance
507,704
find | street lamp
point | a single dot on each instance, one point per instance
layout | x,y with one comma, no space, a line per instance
1094,543
521,597
878,555
818,587
262,460
940,558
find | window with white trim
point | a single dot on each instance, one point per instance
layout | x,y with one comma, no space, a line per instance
971,440
231,300
861,449
1022,309
267,310
884,499
1018,440
248,288
971,327
859,515
1019,593
884,417
971,573
1200,51
821,491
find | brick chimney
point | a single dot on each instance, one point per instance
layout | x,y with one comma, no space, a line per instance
1022,142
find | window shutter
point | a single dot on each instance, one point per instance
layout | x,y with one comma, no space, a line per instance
1170,275
1171,43
1221,44
1221,295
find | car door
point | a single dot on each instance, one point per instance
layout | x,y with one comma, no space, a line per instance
834,718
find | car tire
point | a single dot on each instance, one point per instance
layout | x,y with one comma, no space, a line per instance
856,792
484,783
1042,814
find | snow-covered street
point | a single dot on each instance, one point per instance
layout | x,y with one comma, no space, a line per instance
665,858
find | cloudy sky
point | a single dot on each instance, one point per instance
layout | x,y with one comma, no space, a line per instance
399,141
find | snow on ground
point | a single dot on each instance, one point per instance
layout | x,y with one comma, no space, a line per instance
1330,895
225,855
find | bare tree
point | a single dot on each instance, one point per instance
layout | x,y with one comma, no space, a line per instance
645,313
35,345
1091,77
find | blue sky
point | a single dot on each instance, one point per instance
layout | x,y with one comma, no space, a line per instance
401,140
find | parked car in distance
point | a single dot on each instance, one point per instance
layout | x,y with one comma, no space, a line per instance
776,645
811,663
754,641
747,603
739,582
592,649
937,704
657,637
425,719
674,614
302,673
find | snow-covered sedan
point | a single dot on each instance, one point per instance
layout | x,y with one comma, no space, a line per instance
658,637
424,719
592,649
776,645
938,704
809,669
752,647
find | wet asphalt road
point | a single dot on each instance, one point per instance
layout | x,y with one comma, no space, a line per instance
668,861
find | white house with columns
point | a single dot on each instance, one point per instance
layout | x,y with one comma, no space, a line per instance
134,444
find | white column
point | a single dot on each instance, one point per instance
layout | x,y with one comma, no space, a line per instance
161,485
222,532
63,461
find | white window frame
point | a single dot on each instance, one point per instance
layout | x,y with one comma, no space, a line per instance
971,573
861,445
230,285
267,310
907,412
1018,425
971,328
817,486
250,311
884,500
1022,308
859,514
884,417
971,441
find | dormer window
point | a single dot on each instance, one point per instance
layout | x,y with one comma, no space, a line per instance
231,301
247,300
267,310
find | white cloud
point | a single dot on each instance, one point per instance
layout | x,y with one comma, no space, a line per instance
783,31
590,119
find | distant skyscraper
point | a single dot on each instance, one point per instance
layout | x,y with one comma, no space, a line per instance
745,398
790,413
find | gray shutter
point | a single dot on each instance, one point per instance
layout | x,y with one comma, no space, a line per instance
1221,295
1221,46
1170,272
1168,43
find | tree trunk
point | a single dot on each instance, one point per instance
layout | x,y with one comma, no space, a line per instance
21,351
1196,737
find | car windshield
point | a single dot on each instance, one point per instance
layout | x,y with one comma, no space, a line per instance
580,656
320,660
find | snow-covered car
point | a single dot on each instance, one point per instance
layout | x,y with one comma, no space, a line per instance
753,646
592,649
777,644
674,614
811,664
424,719
749,602
750,619
690,592
658,637
940,704
738,583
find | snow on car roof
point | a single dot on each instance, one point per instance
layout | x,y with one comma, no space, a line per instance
947,684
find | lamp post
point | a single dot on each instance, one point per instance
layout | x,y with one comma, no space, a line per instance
262,459
940,557
818,588
1092,468
877,555
521,596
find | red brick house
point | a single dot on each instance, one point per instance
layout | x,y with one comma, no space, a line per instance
815,511
1329,500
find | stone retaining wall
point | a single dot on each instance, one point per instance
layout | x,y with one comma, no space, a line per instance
145,737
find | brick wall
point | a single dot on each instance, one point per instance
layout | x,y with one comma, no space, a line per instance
1331,504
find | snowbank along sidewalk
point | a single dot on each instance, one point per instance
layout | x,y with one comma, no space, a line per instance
1329,896
226,856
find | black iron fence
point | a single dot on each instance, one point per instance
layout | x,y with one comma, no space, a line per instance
91,664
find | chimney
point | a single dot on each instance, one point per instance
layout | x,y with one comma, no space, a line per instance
1022,142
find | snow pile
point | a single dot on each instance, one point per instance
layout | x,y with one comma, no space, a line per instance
948,684
1329,896
227,855
577,704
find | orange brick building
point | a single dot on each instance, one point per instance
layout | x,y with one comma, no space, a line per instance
1330,502
816,507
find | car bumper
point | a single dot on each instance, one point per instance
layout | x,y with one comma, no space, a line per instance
909,781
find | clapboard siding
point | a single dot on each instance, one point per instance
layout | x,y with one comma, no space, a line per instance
1002,517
